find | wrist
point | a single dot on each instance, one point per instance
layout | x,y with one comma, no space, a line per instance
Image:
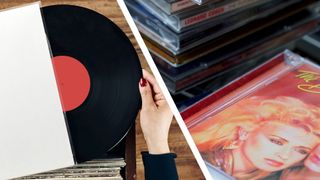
159,147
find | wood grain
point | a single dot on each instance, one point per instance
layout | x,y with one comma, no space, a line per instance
188,169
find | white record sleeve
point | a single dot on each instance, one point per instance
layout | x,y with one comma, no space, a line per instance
33,131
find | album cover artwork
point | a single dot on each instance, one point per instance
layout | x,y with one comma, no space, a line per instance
265,128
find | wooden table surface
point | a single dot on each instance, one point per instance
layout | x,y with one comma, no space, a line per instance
188,169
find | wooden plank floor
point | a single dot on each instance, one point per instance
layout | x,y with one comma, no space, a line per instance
186,164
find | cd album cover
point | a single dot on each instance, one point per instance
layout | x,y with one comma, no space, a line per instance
266,125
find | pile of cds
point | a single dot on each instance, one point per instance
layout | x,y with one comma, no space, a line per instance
310,45
208,45
108,169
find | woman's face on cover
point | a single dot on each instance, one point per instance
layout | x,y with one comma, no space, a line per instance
275,146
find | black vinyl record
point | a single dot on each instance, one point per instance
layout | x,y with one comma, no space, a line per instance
113,101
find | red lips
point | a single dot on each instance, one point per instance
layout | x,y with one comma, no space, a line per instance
273,163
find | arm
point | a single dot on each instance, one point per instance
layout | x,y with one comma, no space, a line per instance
155,120
159,166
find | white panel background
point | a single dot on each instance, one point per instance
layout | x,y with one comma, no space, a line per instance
33,134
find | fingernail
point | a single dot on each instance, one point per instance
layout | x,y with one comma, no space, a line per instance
143,82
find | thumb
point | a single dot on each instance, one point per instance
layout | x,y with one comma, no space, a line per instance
146,94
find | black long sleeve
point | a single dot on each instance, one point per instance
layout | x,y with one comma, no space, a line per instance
160,166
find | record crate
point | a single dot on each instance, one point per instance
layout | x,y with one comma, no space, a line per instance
122,155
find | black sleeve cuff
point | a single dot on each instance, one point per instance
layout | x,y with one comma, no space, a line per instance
159,166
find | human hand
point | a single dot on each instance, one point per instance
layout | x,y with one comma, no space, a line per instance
155,115
313,160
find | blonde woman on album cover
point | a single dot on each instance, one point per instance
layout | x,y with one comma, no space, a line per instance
263,138
155,120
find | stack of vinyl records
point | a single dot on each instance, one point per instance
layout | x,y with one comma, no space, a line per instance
108,169
199,48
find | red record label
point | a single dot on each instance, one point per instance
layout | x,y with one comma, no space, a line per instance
73,81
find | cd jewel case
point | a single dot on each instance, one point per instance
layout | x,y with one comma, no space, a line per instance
267,120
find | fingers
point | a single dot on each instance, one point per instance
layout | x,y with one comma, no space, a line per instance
146,94
152,81
310,163
159,97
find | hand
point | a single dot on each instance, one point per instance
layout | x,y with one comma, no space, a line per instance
155,115
313,160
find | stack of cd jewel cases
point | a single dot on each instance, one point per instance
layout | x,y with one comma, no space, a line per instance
193,44
108,169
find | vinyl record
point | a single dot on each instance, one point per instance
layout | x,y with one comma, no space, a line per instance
98,72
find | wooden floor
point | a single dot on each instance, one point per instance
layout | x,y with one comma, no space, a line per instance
186,164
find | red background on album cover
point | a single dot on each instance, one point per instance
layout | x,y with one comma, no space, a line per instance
287,84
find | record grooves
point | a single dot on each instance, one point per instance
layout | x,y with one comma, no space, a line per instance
113,100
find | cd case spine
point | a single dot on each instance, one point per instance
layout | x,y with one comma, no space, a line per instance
174,7
209,13
179,43
200,2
